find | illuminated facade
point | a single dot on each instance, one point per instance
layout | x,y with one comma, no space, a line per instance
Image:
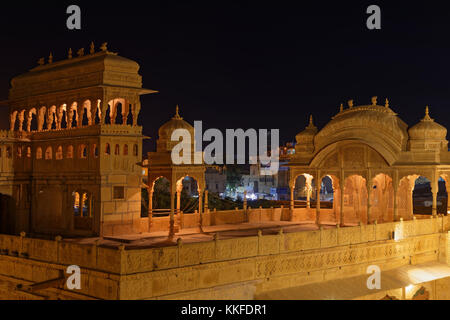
69,163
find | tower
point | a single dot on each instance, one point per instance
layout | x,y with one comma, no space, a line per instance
74,147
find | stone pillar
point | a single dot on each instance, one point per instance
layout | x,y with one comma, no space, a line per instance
69,117
448,202
150,209
137,110
245,200
411,202
434,191
200,201
12,121
342,204
172,215
291,205
21,120
318,204
369,201
30,118
308,197
206,202
125,109
200,215
178,201
395,201
103,109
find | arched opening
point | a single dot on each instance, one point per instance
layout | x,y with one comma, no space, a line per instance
8,152
117,150
59,153
64,119
108,115
355,200
125,150
82,210
119,116
160,204
107,149
422,196
442,196
304,190
95,151
82,151
48,153
69,153
39,153
28,152
382,199
135,150
187,199
19,152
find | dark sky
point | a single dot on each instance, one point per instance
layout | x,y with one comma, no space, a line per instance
253,64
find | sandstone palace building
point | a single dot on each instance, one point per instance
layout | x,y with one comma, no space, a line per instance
71,177
69,163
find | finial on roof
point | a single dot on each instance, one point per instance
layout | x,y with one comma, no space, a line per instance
350,103
427,115
311,122
50,58
374,101
341,108
177,113
80,52
70,53
92,48
41,62
103,47
387,103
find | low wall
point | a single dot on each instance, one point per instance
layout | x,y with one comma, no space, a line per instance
272,261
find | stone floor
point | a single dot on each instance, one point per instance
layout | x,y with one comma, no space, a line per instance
189,235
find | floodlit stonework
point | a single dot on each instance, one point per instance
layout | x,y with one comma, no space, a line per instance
70,183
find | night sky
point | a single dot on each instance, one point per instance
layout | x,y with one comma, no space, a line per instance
253,65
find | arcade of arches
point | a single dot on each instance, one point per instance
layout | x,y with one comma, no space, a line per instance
372,162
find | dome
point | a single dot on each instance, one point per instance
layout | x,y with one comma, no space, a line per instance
165,142
376,123
177,122
427,129
305,139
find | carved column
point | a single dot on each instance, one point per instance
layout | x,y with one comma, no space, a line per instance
103,109
369,200
150,209
206,202
12,121
342,202
200,216
69,117
21,120
395,187
291,204
318,204
30,118
125,110
137,110
172,216
448,202
80,114
434,191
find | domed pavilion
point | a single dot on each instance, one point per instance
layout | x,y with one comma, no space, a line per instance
373,161
162,166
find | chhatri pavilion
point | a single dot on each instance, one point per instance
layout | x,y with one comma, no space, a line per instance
373,160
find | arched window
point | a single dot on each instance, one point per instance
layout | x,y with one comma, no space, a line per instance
8,152
135,150
48,153
19,152
117,150
69,153
59,153
76,204
125,150
28,152
95,151
39,153
107,149
82,151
